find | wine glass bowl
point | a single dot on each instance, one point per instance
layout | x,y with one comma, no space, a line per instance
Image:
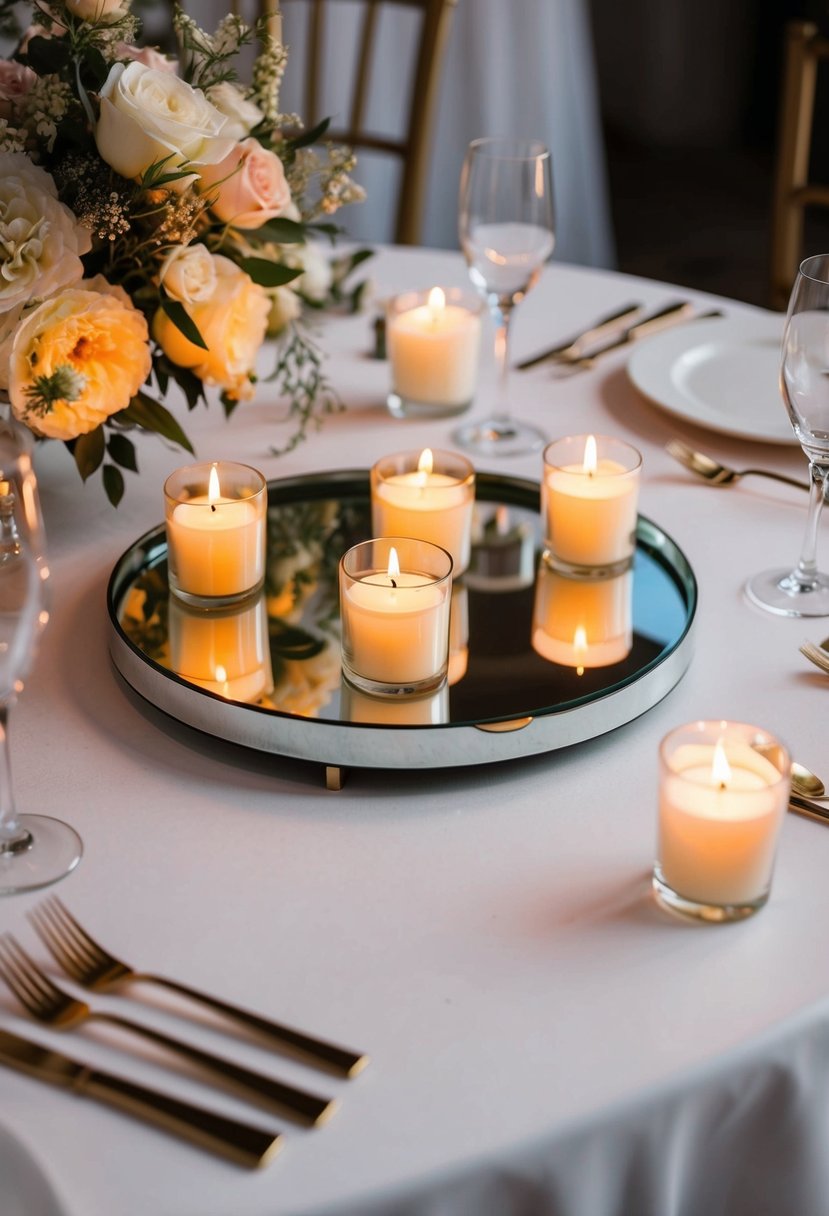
35,850
506,231
804,384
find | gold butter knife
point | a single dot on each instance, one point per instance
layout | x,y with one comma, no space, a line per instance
246,1145
671,314
809,808
593,332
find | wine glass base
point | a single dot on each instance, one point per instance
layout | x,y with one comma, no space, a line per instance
499,437
49,851
779,592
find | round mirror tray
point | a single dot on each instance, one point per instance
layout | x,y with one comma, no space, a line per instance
537,661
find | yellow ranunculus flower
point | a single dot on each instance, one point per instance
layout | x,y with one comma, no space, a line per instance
100,338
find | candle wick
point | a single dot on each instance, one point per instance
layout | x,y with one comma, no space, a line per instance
723,785
393,583
212,506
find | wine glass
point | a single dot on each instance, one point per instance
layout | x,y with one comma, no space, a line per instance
506,232
35,850
804,383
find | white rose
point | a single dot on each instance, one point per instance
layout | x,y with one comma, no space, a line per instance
148,115
95,11
285,307
315,280
242,115
41,241
188,274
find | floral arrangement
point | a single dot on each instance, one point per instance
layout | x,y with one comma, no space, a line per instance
155,225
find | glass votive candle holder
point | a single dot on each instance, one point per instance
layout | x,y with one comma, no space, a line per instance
723,793
394,608
216,532
225,651
589,498
580,623
432,709
433,340
428,495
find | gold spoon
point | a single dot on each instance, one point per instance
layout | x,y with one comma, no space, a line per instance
805,782
720,474
817,654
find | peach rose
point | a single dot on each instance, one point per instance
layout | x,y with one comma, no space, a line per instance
98,341
232,323
248,187
149,56
96,11
15,82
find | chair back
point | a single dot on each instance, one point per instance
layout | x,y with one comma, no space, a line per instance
805,49
411,147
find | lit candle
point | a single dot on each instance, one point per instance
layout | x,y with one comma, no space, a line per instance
723,794
226,651
590,507
433,351
215,531
429,497
582,623
395,620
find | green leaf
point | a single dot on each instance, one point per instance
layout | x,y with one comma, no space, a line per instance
296,644
95,68
122,451
88,451
113,483
228,403
154,174
310,137
284,232
144,412
47,55
182,320
269,274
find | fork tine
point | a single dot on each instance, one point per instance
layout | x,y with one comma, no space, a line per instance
96,954
15,981
59,949
37,986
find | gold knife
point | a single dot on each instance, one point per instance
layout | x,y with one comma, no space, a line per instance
246,1145
597,330
805,806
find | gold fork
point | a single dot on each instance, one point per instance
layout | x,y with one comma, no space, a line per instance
90,965
48,1003
818,654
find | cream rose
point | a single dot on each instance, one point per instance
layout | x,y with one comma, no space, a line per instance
315,281
188,274
242,115
285,306
148,115
232,323
41,242
248,187
96,11
101,340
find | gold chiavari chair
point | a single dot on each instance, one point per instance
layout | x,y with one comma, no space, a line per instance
806,48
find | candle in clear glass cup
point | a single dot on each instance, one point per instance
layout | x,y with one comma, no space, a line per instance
226,651
433,340
723,793
429,496
394,608
582,623
216,531
589,495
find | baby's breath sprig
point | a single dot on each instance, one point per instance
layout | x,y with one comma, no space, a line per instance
207,57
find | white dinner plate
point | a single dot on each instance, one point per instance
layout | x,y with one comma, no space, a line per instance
722,374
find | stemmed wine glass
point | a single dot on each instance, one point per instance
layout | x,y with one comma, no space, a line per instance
506,232
804,383
35,850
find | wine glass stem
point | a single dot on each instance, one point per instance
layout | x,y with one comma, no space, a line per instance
11,829
502,316
806,571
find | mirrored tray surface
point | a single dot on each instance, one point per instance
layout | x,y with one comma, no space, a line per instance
522,680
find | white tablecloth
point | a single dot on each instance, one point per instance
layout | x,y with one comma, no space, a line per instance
542,1038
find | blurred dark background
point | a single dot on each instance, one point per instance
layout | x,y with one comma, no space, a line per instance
690,95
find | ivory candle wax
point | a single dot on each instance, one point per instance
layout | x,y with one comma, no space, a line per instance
589,499
433,343
429,497
215,531
723,794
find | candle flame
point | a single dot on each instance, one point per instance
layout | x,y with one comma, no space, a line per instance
213,491
580,649
720,768
437,301
394,566
502,519
426,462
591,460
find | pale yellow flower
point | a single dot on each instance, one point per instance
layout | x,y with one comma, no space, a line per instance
104,342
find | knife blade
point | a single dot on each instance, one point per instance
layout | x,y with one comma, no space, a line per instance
242,1143
597,330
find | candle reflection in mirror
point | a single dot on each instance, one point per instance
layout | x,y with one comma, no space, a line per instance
224,651
358,706
582,624
458,634
503,551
